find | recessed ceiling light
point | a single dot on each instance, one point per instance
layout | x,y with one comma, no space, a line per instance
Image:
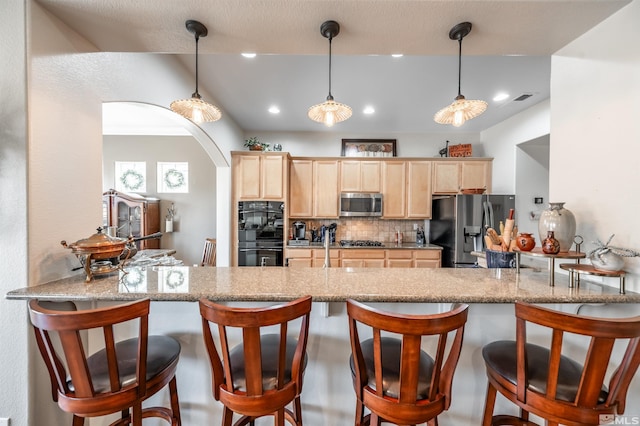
500,96
397,55
368,110
274,110
249,55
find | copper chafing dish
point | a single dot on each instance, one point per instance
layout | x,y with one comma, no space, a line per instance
100,249
102,254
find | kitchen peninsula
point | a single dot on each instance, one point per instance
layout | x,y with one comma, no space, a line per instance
270,284
327,396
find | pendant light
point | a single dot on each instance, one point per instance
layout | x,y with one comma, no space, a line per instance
461,109
329,112
195,109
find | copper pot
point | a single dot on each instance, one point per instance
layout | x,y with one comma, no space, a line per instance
99,246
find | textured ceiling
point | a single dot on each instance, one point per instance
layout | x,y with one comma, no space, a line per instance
508,49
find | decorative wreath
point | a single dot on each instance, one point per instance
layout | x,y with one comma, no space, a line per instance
132,180
173,179
132,278
174,279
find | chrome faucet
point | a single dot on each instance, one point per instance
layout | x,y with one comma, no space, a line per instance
327,243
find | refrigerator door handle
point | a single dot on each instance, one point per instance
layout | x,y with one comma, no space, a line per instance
485,217
490,208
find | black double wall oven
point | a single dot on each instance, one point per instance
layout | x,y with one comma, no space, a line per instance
260,233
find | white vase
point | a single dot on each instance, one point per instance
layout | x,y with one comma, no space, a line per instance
561,221
607,262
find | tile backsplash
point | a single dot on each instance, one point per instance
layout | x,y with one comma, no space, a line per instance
369,228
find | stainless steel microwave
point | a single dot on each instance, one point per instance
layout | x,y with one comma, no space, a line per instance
360,204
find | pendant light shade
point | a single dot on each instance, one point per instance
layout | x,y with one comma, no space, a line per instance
461,109
329,112
194,108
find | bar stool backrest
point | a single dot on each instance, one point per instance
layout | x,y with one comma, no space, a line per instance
405,404
75,389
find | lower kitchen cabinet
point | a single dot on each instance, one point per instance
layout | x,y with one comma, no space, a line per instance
364,258
310,258
427,258
399,258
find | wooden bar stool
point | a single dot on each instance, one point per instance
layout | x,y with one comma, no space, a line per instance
392,376
263,374
116,379
209,252
542,381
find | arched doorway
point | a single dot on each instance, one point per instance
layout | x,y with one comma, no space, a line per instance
144,122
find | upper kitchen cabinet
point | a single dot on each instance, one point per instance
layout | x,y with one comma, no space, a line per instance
325,188
300,188
419,189
452,176
313,188
406,189
259,176
360,176
394,192
133,215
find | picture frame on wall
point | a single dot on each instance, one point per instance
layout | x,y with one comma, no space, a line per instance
369,148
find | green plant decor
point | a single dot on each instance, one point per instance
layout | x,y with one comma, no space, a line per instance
254,144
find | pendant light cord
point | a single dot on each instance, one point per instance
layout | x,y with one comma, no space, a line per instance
330,97
197,38
459,64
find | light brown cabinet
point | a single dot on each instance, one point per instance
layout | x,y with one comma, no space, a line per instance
259,176
362,258
301,189
399,258
359,176
419,189
427,258
406,189
133,215
310,258
394,191
451,177
325,188
313,188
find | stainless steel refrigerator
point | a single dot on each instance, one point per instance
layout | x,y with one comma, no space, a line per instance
459,224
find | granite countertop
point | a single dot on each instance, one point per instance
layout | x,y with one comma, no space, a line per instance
387,246
441,285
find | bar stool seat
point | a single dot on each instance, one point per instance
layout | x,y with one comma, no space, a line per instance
162,352
391,357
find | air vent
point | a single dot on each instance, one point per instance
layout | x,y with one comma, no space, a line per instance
523,97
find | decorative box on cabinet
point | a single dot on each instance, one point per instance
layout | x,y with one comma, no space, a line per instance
134,215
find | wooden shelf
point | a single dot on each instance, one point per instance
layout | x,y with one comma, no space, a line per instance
590,270
537,252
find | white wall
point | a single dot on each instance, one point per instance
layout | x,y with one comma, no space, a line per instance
500,141
329,144
532,180
15,356
195,211
595,132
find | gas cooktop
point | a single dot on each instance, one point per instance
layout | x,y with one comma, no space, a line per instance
360,243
